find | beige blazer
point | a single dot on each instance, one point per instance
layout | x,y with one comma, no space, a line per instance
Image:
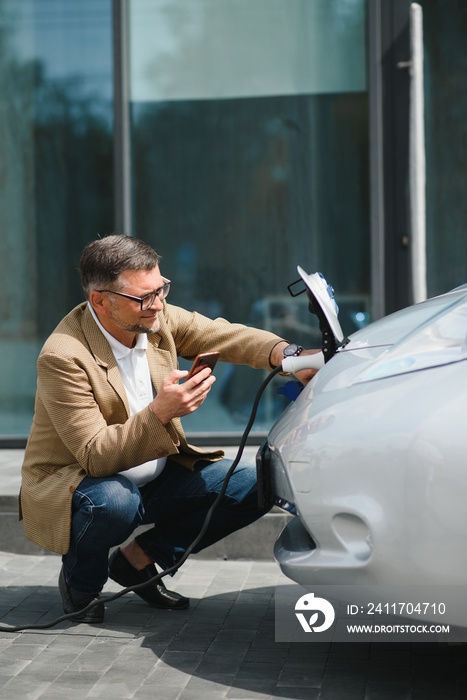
82,425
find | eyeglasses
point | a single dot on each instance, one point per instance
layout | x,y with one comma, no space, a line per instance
148,300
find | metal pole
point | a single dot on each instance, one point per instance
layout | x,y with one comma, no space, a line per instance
122,143
417,168
375,97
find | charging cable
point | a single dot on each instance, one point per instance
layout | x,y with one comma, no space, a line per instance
173,569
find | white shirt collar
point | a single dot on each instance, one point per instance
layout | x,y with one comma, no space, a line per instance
119,350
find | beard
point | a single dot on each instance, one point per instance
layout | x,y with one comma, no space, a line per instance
140,328
153,325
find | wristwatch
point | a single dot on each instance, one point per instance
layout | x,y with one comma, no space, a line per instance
292,350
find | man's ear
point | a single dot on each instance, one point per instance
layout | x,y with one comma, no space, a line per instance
97,301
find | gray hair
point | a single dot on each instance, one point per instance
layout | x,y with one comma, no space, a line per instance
103,260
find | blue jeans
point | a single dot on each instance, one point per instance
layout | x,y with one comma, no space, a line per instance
106,511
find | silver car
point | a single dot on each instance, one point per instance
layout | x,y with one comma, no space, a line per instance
370,459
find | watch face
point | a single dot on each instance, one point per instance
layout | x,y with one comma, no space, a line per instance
291,350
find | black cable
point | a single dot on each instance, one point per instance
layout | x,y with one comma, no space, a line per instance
175,567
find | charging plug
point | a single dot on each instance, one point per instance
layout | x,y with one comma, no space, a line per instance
299,362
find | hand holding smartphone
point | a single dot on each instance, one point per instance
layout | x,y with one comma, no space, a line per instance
204,359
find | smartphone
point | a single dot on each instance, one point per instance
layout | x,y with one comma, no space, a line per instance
204,359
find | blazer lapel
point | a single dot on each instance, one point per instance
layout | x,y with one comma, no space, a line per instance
160,364
104,356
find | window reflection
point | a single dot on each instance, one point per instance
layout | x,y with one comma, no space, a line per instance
250,157
56,191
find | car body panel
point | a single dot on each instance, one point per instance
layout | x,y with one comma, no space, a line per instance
376,467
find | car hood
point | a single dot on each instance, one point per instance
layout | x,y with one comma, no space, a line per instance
429,334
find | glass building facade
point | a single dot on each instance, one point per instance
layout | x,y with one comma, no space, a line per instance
56,184
233,136
242,141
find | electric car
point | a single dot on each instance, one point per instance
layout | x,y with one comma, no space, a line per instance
370,459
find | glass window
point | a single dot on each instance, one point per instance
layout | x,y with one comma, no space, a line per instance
250,152
56,165
445,70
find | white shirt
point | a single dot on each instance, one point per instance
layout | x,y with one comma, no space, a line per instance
134,370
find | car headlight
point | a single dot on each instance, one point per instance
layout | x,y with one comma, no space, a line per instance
440,341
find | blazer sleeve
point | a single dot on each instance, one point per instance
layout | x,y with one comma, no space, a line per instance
237,343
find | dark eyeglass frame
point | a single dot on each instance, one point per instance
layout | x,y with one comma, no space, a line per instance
148,300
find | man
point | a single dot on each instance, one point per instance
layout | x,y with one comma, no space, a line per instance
107,452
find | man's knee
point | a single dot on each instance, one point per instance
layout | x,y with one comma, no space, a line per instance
113,499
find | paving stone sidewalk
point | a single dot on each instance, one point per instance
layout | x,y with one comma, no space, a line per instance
222,647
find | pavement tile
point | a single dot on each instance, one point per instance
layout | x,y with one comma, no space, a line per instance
115,689
147,691
221,648
301,678
389,672
29,688
214,692
259,670
210,668
254,690
342,689
436,693
388,691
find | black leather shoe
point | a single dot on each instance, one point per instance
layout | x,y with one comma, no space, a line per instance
156,594
73,601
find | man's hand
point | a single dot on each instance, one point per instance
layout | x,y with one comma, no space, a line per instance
305,375
174,400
